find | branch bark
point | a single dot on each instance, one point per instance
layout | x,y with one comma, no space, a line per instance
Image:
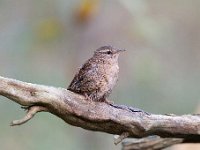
149,143
75,110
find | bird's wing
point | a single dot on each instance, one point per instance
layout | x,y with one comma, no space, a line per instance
87,79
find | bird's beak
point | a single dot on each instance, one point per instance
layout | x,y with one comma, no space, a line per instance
120,50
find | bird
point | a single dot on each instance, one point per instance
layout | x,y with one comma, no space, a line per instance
98,75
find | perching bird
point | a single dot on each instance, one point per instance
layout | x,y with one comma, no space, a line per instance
98,75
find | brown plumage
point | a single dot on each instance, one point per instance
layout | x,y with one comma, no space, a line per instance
98,75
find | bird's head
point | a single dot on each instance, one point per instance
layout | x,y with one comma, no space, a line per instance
108,52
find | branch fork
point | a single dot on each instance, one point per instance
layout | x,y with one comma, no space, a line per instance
31,111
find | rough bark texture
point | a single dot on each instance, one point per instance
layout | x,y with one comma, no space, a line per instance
74,109
149,143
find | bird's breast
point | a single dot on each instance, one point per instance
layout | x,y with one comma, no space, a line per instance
111,74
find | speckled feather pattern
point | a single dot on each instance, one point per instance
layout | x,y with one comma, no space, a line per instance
97,77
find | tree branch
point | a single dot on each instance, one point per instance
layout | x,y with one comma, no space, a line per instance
32,110
74,109
150,142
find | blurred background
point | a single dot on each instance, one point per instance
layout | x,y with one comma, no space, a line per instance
45,41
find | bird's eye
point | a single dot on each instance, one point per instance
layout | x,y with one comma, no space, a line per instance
109,52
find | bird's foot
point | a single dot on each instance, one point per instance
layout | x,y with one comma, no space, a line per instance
108,101
87,97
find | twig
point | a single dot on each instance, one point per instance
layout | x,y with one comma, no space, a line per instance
30,114
118,139
149,143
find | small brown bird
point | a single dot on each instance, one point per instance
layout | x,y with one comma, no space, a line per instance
98,75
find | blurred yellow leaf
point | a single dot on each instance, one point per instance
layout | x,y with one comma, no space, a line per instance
87,9
48,29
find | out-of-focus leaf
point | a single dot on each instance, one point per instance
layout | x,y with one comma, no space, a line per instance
86,10
48,30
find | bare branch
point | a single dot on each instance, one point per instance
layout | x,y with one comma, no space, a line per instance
151,142
32,110
118,139
97,116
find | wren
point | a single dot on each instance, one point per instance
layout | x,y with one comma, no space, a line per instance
97,77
